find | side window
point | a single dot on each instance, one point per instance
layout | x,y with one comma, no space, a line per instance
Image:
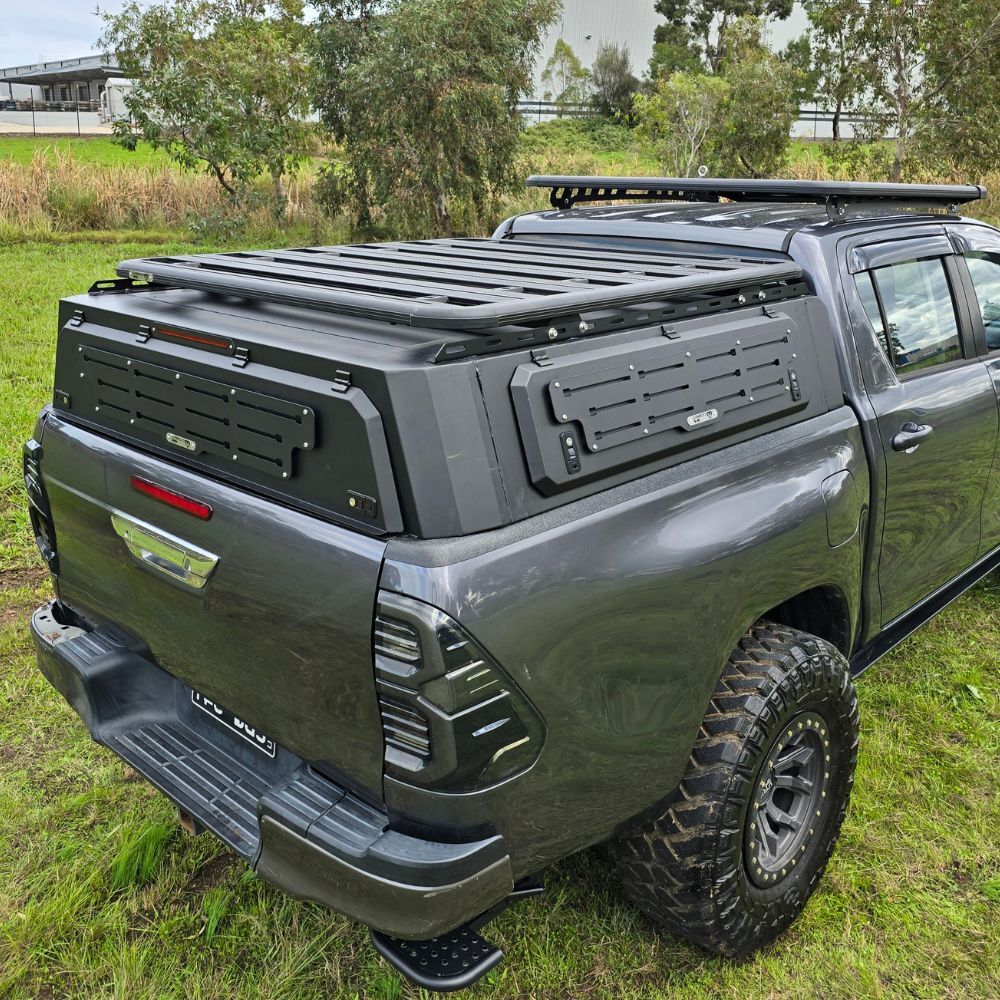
985,271
919,314
866,292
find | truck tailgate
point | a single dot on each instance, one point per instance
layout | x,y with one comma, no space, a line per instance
280,634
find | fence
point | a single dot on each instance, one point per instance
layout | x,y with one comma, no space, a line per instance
30,117
810,123
83,118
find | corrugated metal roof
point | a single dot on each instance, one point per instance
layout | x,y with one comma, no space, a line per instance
61,70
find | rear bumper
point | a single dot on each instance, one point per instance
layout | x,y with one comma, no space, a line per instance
296,828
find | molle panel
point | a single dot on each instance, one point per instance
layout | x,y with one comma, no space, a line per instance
594,412
298,438
197,414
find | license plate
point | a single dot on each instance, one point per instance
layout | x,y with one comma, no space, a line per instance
226,718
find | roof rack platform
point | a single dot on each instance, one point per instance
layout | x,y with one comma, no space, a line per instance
837,196
470,285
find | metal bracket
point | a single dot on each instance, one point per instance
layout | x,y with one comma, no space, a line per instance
145,332
77,319
241,357
541,359
342,381
113,286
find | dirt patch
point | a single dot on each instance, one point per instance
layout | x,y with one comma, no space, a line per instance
210,874
15,613
15,609
20,577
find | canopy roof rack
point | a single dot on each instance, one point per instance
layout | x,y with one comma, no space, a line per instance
471,285
837,196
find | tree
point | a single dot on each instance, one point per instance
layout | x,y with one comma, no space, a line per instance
339,41
798,56
341,34
760,107
702,28
736,122
960,118
427,106
220,84
612,81
840,59
565,78
929,67
681,120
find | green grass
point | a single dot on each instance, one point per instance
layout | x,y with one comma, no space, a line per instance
98,150
101,895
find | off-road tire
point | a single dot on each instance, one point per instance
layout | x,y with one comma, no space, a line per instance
688,865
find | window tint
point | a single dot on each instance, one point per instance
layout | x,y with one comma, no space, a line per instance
920,312
985,271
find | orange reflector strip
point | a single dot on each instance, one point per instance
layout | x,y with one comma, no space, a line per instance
194,507
196,338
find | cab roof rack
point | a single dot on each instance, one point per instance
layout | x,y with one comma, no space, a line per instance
837,196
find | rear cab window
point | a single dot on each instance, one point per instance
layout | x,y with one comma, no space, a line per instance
984,270
912,311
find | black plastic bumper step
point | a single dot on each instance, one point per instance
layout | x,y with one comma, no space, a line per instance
454,960
443,964
204,783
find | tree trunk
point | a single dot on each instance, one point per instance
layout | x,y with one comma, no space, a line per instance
280,191
838,112
441,215
221,178
896,174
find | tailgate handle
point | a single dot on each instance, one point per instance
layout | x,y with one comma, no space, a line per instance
165,553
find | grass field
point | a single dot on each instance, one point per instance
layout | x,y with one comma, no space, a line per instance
89,149
101,895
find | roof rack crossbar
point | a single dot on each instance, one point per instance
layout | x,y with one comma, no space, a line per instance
837,196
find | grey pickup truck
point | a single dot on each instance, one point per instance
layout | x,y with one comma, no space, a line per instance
409,569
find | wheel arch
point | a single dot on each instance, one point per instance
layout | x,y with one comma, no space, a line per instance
822,611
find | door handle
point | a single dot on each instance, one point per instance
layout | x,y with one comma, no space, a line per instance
910,435
163,552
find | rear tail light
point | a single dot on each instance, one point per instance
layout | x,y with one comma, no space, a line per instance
196,508
452,720
396,640
39,511
404,728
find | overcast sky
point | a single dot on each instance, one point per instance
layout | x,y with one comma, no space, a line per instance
37,30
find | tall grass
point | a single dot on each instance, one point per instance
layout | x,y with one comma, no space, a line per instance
60,193
57,193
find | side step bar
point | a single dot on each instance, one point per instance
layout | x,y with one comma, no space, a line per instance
455,960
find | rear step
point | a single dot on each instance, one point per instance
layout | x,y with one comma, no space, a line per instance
455,960
296,828
219,793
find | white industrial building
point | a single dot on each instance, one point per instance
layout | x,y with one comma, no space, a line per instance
58,82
